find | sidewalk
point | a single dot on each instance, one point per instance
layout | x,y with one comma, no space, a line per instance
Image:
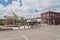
15,28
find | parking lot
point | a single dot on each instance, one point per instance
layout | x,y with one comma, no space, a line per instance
38,33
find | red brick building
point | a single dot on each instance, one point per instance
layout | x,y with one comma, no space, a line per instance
50,18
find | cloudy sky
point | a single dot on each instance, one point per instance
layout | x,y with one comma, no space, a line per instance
28,8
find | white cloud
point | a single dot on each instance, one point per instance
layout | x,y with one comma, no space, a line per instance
28,6
1,7
13,6
6,0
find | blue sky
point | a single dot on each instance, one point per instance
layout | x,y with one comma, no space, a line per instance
28,8
4,3
8,2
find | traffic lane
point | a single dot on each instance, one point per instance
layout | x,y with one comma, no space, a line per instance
11,35
36,34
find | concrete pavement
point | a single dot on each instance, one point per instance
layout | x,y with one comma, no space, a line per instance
43,33
38,33
11,35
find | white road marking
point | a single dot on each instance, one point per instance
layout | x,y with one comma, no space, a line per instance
23,35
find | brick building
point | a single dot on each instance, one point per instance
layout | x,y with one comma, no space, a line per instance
50,18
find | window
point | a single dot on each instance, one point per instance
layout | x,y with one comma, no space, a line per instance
47,15
52,15
44,16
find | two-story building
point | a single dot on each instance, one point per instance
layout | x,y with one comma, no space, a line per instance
50,18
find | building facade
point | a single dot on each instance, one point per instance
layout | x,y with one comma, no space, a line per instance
34,20
50,17
10,19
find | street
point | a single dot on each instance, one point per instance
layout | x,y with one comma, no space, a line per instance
41,33
11,35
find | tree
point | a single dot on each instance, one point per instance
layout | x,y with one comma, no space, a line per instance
22,21
1,21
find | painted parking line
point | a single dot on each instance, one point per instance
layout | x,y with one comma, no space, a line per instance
23,35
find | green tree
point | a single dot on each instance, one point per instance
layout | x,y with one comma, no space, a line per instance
1,21
22,21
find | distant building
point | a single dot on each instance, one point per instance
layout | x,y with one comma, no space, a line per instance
34,20
10,19
38,20
50,18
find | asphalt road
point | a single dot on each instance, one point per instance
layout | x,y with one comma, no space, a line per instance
40,35
31,34
11,35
